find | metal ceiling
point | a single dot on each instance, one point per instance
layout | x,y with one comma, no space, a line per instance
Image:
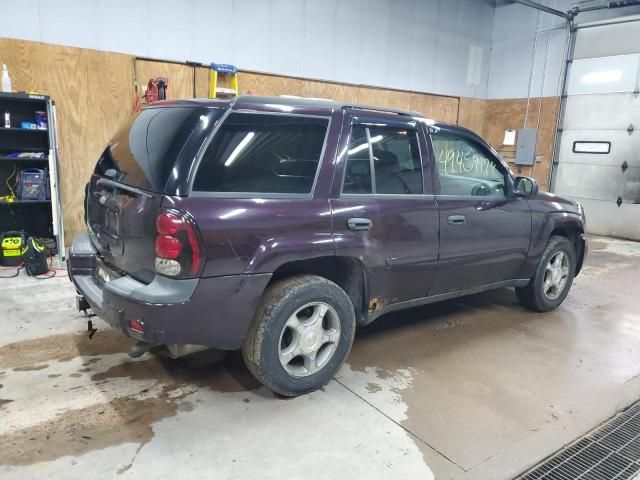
579,7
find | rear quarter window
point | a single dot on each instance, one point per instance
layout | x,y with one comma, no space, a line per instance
263,153
145,149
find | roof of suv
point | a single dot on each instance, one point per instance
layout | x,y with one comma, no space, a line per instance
321,103
251,101
288,101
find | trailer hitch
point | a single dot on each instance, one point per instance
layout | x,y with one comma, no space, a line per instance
91,330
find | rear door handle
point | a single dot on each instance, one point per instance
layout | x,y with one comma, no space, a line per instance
457,220
359,224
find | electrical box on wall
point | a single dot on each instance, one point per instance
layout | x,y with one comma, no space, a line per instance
526,146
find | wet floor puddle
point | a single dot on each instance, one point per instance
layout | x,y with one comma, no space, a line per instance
123,419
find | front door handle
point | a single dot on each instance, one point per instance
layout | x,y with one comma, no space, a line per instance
484,205
457,220
359,223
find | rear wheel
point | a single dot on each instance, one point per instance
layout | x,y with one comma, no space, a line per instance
552,280
301,334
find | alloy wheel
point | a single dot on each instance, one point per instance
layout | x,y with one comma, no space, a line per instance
309,339
556,275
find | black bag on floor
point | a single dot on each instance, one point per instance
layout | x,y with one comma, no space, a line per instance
35,257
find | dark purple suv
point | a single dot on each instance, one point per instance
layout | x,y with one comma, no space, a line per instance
278,224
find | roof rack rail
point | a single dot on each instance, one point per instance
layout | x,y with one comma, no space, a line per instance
397,111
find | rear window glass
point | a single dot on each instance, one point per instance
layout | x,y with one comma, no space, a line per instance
394,155
143,152
262,153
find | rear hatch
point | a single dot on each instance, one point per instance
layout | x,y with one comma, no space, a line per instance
129,182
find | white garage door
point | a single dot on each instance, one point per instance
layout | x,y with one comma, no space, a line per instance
599,154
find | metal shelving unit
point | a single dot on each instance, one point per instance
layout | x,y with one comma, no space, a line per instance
42,218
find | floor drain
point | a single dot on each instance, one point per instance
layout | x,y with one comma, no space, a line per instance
611,452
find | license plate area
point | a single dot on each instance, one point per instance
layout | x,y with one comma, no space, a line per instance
103,274
104,212
104,220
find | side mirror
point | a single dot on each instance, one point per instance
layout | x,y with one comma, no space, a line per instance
525,186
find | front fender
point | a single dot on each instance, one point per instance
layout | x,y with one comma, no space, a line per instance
550,222
547,224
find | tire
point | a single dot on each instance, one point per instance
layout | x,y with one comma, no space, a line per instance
285,322
538,297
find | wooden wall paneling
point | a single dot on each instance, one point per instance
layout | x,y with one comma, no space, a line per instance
547,138
529,120
472,113
93,92
202,82
384,98
443,109
548,110
180,77
262,84
330,90
502,114
547,128
438,107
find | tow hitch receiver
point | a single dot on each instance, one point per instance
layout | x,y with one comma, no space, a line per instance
81,304
90,329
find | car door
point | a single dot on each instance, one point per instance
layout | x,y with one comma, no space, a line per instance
382,212
485,230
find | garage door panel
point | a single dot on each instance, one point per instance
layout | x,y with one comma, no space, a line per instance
600,105
603,75
606,111
631,186
589,181
624,147
606,218
606,40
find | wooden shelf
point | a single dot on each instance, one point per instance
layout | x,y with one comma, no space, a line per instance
23,202
23,159
30,130
22,149
23,97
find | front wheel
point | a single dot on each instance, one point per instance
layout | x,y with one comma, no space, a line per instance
301,334
552,280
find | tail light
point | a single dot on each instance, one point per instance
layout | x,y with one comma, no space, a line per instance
136,326
178,246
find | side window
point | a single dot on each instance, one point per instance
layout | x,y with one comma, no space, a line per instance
464,170
396,162
357,177
261,153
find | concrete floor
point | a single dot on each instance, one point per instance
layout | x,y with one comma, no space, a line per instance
476,388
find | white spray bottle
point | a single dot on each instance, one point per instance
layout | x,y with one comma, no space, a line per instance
6,81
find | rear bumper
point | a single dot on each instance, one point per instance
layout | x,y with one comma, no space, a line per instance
213,311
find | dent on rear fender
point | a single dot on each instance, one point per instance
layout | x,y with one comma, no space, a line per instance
277,251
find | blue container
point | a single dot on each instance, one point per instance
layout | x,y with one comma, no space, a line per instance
41,120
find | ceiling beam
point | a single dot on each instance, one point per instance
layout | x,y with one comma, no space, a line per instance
537,6
613,4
